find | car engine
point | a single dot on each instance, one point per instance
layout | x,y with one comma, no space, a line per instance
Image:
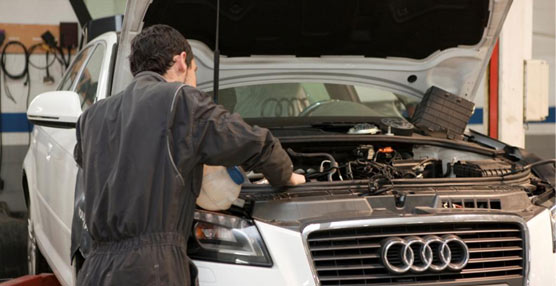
383,163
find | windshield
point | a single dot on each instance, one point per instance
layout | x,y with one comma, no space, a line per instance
330,102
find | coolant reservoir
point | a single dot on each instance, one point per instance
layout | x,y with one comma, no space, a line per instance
220,187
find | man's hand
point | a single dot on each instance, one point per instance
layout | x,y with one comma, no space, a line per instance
296,179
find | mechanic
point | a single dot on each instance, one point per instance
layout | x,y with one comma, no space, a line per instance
142,153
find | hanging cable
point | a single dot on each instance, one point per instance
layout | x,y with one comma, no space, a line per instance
25,70
48,64
15,76
48,78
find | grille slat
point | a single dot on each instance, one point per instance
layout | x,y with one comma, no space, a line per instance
492,269
351,256
409,234
380,276
344,257
495,249
494,259
341,247
350,267
491,239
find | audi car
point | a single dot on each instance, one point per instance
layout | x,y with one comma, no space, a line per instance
371,101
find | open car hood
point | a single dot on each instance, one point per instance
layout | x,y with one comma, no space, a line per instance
405,46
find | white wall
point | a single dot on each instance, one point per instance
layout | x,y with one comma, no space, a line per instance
529,33
515,48
540,137
544,40
36,11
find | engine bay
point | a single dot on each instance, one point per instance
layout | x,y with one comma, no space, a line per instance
383,163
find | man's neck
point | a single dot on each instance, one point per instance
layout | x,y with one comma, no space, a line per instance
171,76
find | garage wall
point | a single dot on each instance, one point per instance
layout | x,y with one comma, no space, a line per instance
540,136
14,125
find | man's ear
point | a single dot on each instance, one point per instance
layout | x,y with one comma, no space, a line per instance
179,61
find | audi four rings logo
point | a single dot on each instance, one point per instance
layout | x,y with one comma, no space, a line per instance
416,254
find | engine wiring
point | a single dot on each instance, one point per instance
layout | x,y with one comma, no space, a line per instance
383,170
366,167
333,163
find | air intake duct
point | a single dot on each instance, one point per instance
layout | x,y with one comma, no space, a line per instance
490,168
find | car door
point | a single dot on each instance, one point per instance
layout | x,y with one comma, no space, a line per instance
56,169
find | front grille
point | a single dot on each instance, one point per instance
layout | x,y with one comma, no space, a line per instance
351,256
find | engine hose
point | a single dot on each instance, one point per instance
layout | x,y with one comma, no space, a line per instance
553,161
422,163
333,164
529,166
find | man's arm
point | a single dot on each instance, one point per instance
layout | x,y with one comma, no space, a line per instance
77,151
225,139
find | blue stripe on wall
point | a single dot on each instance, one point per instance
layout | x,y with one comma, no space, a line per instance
15,122
477,117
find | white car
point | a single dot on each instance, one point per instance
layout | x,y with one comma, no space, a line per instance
387,203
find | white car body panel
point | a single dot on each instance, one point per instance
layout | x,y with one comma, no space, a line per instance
51,173
458,70
542,261
290,265
44,108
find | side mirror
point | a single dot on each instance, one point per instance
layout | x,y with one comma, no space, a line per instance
59,109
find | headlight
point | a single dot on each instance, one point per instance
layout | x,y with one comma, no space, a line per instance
228,239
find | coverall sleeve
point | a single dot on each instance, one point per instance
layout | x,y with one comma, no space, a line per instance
225,139
77,151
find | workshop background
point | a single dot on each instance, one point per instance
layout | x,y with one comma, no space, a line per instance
32,16
504,104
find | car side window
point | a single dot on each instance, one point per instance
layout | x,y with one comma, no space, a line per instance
73,70
87,84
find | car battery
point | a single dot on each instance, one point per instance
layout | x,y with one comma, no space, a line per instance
442,114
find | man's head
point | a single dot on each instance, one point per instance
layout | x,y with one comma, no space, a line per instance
164,50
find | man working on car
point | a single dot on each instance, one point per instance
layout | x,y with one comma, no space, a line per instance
142,154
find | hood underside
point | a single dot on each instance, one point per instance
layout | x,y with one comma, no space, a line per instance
378,29
385,43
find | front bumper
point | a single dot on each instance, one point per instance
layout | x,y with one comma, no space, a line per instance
291,265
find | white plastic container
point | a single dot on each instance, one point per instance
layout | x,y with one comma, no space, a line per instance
220,187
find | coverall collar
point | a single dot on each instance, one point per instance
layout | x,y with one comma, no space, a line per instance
152,75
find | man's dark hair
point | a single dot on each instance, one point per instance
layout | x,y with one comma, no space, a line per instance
155,47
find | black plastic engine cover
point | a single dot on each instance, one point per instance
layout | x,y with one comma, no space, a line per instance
442,114
485,168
